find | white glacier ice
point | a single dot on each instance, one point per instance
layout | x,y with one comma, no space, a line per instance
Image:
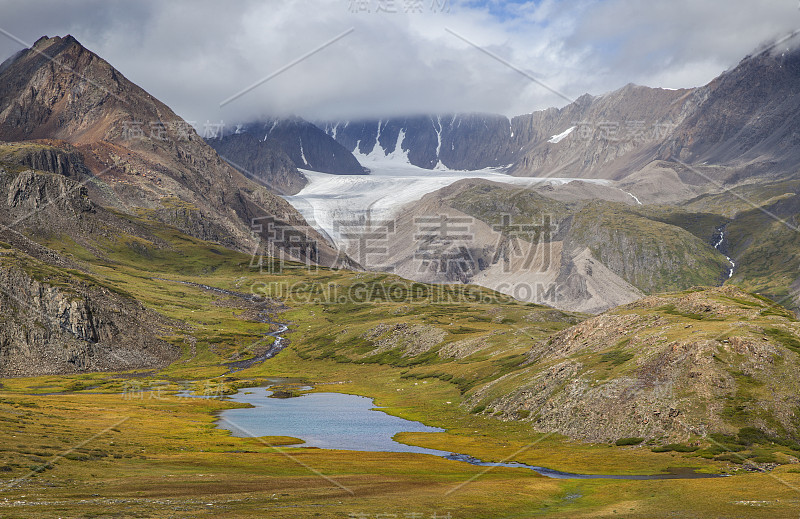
392,183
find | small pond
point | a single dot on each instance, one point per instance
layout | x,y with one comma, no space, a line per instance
350,422
324,420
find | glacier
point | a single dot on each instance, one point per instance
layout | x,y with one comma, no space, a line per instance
328,199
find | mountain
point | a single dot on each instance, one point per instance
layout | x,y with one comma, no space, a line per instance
287,144
546,246
607,136
89,162
262,160
745,119
619,123
725,154
141,155
117,255
74,124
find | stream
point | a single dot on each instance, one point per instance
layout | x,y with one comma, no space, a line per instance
719,237
276,347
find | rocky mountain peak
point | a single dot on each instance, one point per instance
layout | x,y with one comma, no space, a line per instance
59,89
143,154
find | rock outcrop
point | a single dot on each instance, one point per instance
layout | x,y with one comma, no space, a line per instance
58,324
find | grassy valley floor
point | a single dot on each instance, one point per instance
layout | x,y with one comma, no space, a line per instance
129,445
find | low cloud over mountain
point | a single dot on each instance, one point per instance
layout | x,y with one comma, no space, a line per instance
399,57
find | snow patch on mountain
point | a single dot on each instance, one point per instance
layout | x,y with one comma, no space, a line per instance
632,196
302,154
438,135
555,139
378,155
274,124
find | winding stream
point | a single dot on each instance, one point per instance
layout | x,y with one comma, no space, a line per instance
280,341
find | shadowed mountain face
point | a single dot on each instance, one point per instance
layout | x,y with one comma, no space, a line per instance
262,160
142,155
271,151
576,140
307,146
463,141
746,118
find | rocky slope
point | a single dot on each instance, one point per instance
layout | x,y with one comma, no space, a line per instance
141,154
607,136
669,367
746,118
57,318
54,324
654,256
65,161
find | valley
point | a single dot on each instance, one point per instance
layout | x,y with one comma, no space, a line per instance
159,453
460,315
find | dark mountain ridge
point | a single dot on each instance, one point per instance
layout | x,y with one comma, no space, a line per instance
745,120
272,150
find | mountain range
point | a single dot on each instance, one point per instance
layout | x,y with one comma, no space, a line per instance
732,142
688,147
742,121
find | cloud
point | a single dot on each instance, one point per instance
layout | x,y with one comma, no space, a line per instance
680,43
194,54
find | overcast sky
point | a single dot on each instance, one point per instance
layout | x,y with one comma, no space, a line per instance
401,56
